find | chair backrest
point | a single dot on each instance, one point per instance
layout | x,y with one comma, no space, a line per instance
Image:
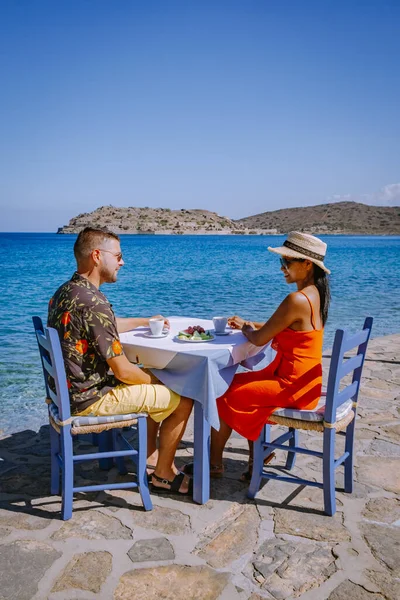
340,367
53,366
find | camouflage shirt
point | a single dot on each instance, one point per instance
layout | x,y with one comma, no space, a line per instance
88,333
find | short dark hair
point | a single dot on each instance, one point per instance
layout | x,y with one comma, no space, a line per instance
89,239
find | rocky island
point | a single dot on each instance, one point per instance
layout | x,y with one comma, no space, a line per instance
335,218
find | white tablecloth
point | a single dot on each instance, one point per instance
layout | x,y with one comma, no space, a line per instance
202,371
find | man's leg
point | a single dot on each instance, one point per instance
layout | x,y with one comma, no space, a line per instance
171,432
155,399
152,431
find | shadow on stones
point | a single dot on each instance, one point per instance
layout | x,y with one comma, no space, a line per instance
25,479
25,475
286,503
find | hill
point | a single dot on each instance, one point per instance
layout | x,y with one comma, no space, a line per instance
339,217
155,220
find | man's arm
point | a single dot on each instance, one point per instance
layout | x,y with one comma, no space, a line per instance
127,372
131,323
134,322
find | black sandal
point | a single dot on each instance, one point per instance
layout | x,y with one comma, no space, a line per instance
175,485
151,468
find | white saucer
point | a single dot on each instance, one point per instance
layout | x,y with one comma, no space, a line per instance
151,335
223,332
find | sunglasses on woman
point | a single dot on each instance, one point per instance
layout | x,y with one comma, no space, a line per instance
286,262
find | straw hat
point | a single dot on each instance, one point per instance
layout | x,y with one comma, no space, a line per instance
303,245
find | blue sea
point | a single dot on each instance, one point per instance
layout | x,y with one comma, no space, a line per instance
178,275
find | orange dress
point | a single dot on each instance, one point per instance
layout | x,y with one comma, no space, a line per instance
292,380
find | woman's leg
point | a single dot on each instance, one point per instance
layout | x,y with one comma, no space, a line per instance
218,442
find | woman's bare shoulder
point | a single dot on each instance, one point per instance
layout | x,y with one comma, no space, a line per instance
296,299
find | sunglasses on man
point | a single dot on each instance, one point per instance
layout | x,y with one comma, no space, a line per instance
118,255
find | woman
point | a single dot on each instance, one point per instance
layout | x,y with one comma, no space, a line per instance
294,378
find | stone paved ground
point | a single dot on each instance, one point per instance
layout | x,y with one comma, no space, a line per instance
279,547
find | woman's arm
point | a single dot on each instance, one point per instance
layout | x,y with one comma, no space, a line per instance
237,322
290,310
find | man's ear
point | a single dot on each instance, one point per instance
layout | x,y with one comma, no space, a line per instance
95,255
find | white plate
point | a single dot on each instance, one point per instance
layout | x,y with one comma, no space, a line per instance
151,335
223,332
178,339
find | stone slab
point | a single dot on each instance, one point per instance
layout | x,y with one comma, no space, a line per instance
236,539
349,590
384,510
392,431
288,569
86,572
93,525
310,525
389,586
384,449
164,520
385,545
175,582
151,550
381,473
22,565
19,520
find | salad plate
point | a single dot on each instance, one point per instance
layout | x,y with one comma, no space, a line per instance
185,337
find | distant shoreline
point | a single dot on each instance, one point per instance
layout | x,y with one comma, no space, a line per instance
341,218
219,234
215,233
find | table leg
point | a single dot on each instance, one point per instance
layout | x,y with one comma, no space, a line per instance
201,473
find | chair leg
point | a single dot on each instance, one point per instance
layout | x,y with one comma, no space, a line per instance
119,460
293,442
141,464
329,471
258,462
105,441
55,465
348,464
67,473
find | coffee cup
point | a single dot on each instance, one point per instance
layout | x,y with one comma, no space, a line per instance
220,324
156,326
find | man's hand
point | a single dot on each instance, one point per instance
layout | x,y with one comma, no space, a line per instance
166,322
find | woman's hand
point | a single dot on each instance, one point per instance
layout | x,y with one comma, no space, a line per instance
236,322
247,328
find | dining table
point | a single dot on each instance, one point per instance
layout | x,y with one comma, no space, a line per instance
201,370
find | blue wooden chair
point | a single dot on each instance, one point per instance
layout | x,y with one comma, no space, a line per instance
63,427
336,416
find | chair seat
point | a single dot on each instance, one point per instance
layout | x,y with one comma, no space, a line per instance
80,421
315,415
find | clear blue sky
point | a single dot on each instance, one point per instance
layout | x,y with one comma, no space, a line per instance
234,106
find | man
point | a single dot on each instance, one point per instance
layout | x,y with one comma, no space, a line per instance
88,332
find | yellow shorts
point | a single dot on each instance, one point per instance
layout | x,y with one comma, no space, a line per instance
156,400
